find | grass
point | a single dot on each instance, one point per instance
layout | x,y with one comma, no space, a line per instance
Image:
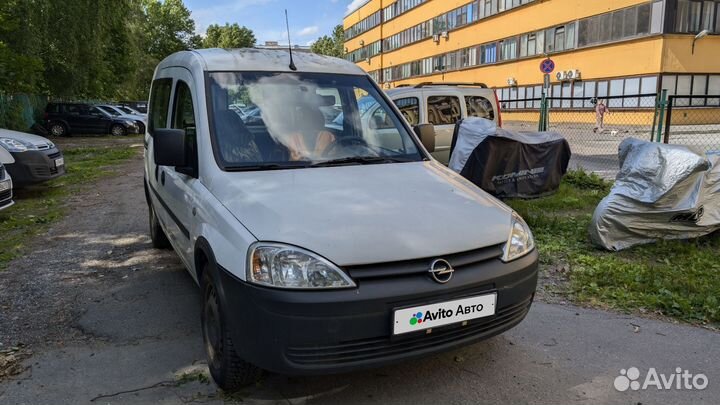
679,279
37,207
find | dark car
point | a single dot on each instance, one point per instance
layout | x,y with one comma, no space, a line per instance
36,159
62,119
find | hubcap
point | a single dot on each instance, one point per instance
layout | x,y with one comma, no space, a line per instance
117,131
211,328
57,130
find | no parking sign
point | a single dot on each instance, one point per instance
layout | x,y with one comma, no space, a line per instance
547,66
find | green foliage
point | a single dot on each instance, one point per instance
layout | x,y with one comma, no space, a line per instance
89,49
672,278
229,36
331,45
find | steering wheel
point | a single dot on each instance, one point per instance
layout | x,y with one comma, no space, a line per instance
342,143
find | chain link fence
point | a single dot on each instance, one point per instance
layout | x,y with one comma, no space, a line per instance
594,137
694,121
21,111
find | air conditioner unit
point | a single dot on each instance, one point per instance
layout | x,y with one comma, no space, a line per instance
445,35
560,76
367,60
436,38
512,82
574,74
362,43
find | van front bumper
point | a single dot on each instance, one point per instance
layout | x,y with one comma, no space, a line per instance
322,332
35,166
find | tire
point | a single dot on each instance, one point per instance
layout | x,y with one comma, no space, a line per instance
141,128
57,129
157,234
229,371
118,130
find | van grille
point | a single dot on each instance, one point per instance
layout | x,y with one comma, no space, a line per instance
378,348
421,266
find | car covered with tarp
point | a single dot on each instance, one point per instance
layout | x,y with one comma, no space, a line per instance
509,164
661,192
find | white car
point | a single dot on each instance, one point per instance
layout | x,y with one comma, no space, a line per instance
115,111
443,105
321,248
6,185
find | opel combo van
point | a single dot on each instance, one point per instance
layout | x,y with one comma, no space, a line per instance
321,245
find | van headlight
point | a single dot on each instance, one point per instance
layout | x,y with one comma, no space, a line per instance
284,266
520,242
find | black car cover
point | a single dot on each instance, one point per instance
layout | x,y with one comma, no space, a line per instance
509,164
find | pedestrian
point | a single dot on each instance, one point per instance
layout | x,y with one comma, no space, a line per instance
600,110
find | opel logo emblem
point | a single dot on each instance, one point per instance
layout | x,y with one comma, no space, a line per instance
441,271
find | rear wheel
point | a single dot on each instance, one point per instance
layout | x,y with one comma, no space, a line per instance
229,371
157,235
118,130
58,129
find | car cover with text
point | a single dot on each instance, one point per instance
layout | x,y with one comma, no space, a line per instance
509,164
661,192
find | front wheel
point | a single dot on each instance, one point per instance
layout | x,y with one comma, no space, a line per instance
229,371
58,129
118,130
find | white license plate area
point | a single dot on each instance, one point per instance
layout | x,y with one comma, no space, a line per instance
4,185
429,316
59,162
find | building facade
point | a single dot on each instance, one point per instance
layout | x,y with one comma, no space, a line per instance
600,48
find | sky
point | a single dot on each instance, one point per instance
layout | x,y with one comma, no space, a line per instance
309,19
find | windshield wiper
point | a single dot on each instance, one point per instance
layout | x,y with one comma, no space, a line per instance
359,160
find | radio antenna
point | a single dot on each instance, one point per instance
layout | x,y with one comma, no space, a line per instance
287,24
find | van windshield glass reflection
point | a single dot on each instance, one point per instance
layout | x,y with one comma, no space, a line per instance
288,120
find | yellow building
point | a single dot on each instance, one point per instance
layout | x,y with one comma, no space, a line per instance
600,48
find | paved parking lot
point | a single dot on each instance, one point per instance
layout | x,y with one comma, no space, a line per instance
108,320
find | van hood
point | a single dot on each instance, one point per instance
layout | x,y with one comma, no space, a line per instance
35,140
367,214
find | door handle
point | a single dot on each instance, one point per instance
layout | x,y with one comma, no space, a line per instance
162,177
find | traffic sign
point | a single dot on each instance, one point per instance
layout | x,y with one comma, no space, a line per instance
547,66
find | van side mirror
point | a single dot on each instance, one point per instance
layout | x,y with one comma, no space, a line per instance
426,133
170,147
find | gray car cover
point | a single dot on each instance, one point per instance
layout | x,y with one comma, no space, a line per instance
661,192
509,164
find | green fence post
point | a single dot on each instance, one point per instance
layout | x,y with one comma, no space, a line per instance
661,105
543,124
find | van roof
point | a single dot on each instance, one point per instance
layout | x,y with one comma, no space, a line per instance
264,60
439,88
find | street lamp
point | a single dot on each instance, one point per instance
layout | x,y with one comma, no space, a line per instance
700,35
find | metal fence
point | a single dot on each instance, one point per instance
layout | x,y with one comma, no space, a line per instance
693,121
21,111
594,144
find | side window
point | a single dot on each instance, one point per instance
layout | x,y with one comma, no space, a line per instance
479,107
410,109
159,103
443,110
183,114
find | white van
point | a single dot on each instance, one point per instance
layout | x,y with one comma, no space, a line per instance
321,246
443,105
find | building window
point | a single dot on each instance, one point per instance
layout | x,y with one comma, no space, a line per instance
693,16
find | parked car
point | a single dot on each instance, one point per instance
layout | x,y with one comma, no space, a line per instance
139,106
117,112
36,159
131,111
63,119
321,249
6,185
443,105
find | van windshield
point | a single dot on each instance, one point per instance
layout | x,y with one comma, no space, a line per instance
291,120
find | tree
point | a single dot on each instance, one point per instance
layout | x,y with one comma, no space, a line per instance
331,45
169,27
229,36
